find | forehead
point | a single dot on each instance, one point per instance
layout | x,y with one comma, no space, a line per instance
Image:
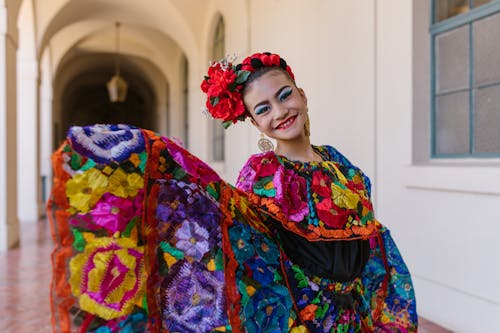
265,86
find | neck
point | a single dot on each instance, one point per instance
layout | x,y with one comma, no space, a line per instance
297,150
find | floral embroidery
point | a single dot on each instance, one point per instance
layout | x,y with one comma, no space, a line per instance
268,310
193,300
85,189
291,194
155,241
108,277
113,213
192,239
324,199
124,184
106,143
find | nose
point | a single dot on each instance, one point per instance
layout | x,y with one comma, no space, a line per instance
281,112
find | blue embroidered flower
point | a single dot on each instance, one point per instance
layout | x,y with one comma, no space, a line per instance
241,241
306,295
136,323
193,299
268,310
260,271
266,249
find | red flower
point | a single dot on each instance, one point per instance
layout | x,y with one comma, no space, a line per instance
321,184
330,215
228,107
265,166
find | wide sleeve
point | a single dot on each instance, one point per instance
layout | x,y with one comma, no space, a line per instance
149,238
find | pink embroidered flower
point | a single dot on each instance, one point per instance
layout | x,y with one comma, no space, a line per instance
113,213
291,194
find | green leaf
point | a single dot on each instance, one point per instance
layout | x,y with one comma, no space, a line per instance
214,101
76,161
79,242
242,76
129,227
176,253
213,191
226,124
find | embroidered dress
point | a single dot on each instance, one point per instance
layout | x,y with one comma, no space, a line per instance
148,238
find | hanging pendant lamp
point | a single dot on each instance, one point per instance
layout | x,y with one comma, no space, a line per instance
117,86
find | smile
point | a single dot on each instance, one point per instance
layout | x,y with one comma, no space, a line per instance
287,123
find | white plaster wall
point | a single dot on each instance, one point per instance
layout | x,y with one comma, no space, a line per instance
441,213
9,224
46,122
27,121
332,56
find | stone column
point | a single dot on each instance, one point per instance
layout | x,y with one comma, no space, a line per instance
9,225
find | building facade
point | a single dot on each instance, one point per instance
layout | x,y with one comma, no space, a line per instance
373,72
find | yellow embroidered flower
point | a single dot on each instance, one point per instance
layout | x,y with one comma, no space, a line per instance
299,329
344,198
108,277
125,185
85,189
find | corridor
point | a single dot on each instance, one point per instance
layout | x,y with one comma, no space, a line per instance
25,281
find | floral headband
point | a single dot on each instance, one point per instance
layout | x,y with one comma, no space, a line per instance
224,84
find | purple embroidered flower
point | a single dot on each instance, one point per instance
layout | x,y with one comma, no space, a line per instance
106,143
193,299
179,201
192,239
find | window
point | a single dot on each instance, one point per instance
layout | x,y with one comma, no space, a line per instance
216,130
465,80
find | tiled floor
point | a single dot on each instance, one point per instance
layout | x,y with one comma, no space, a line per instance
24,284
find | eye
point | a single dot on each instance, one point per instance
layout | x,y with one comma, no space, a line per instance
261,109
285,93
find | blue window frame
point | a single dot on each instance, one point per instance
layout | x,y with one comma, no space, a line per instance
465,80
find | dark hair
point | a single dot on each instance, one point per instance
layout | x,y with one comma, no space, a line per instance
260,72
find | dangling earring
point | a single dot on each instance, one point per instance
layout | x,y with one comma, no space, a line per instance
265,144
307,127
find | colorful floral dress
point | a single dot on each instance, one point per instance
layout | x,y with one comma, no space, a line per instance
148,238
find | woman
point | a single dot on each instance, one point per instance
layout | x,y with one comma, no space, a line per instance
332,247
150,239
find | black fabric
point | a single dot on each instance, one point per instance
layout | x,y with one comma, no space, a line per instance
340,261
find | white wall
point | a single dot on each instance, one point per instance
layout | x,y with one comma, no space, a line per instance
441,213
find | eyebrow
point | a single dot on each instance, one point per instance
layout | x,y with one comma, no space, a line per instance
276,94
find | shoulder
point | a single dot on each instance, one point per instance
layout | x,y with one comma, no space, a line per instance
335,155
256,167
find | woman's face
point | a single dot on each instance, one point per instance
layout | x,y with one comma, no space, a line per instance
277,106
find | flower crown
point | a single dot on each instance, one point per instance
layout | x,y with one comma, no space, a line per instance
224,84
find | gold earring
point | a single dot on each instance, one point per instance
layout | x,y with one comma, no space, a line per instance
265,144
307,127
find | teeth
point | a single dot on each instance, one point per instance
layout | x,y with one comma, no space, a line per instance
285,124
